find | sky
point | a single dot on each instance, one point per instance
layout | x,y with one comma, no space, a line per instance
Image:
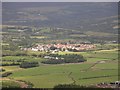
59,0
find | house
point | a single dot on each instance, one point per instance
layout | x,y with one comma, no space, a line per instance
34,49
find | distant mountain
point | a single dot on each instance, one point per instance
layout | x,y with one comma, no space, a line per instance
85,16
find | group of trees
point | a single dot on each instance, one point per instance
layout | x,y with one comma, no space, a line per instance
68,58
53,61
79,87
29,64
9,63
68,86
74,86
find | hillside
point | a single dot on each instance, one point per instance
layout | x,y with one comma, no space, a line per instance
45,45
60,21
80,16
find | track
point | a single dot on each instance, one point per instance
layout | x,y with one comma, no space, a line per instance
69,75
98,63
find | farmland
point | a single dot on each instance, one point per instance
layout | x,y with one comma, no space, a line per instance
49,44
101,65
59,75
83,73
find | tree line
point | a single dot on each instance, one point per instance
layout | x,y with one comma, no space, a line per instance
68,58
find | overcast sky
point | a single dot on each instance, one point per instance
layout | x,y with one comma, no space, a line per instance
59,0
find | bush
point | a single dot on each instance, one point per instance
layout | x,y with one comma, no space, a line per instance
53,61
10,64
68,86
2,69
68,58
6,74
79,87
29,64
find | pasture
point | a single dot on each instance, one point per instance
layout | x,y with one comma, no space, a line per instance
50,75
101,66
12,84
25,58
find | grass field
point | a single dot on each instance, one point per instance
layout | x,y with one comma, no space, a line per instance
86,73
26,58
12,84
50,75
11,68
101,66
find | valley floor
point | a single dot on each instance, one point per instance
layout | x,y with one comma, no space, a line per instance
101,66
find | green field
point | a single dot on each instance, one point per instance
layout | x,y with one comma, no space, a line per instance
26,58
12,84
84,37
50,75
86,73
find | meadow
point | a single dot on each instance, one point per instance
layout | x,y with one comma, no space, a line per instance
101,66
25,25
48,76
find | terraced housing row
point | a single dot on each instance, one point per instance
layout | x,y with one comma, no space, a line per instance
61,47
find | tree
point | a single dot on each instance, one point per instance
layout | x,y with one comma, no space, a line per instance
29,64
68,86
68,58
52,48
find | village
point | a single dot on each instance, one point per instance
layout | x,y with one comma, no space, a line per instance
61,47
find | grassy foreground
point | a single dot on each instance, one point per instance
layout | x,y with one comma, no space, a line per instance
101,66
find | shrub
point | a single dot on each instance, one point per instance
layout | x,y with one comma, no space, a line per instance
68,86
2,69
53,61
6,74
10,64
68,58
29,64
79,87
